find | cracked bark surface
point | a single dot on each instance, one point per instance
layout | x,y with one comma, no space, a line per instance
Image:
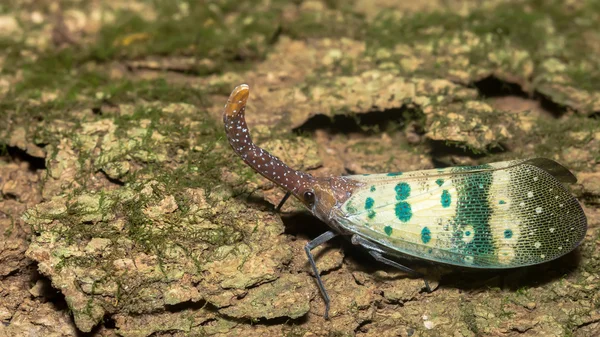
123,211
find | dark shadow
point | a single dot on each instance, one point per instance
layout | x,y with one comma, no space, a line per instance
112,180
266,321
438,163
303,223
273,39
440,148
363,326
51,295
97,111
463,278
253,200
468,279
187,305
367,123
35,163
473,279
492,86
282,320
109,322
48,292
557,110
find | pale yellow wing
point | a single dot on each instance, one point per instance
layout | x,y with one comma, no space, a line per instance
500,215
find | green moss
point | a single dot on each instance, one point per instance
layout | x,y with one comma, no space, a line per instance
551,137
367,147
504,311
505,22
540,28
189,28
326,24
77,75
387,30
172,151
584,76
467,311
522,291
9,230
293,330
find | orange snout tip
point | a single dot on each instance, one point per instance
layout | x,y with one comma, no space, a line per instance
237,100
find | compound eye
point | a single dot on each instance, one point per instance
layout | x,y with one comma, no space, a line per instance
309,198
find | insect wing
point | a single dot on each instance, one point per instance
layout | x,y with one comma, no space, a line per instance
500,215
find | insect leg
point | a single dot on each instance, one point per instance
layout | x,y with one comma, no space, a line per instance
380,258
285,198
376,252
359,241
319,240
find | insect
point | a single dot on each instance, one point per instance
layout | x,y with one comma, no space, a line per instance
494,216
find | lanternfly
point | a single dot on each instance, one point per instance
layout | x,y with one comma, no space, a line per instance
499,215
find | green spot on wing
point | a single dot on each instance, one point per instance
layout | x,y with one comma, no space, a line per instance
402,191
425,235
373,189
508,233
403,211
440,182
369,202
502,202
393,174
350,207
388,230
446,199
